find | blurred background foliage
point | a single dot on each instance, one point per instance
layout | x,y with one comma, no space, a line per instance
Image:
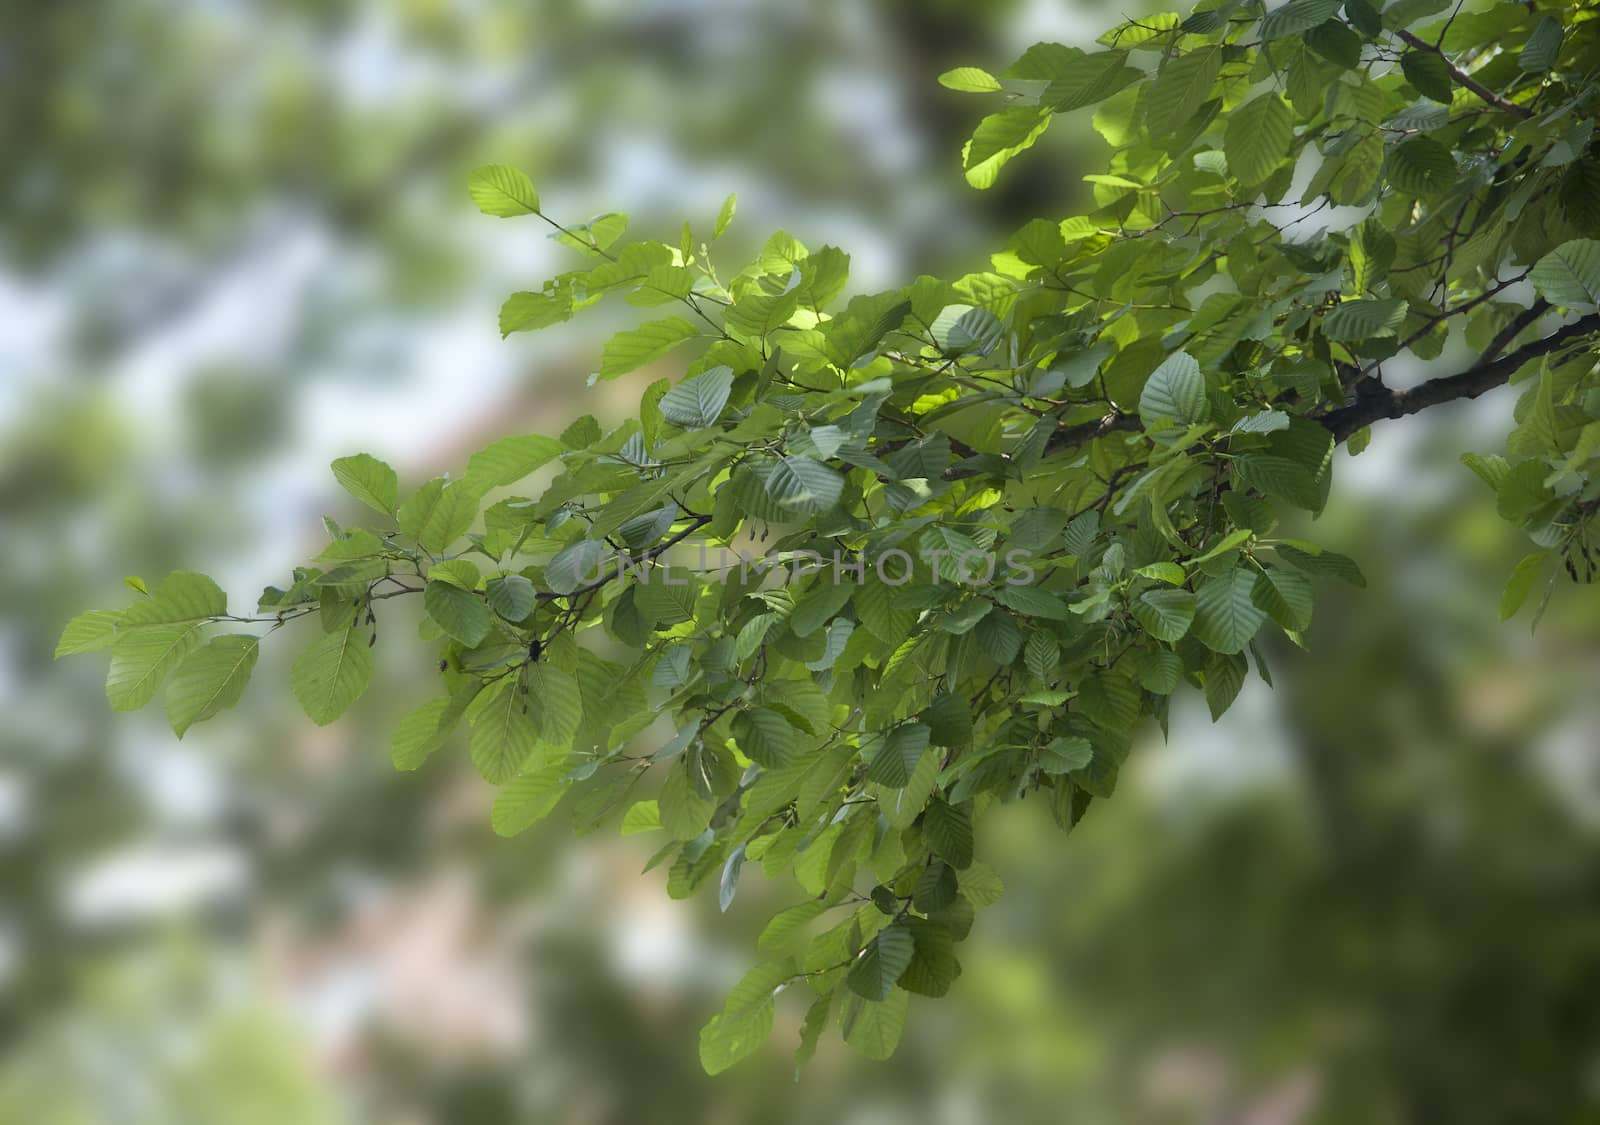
234,243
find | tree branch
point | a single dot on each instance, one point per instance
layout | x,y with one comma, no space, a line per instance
1482,376
1463,79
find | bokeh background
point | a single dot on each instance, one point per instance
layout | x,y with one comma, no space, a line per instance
235,243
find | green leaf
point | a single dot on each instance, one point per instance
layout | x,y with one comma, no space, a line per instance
1226,615
1543,47
1570,275
439,513
1422,166
765,736
1178,91
460,613
574,566
499,189
1065,754
697,402
420,732
511,596
642,816
933,967
969,80
1357,170
963,329
1286,596
803,485
1175,393
1297,16
875,1030
332,673
210,679
90,631
1364,319
141,659
638,346
1429,73
528,312
556,700
1165,614
684,810
725,215
504,734
1314,560
510,459
1091,78
999,138
182,596
897,755
369,480
873,975
529,797
948,831
1521,583
739,1030
1258,137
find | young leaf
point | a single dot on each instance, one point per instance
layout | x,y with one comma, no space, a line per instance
499,189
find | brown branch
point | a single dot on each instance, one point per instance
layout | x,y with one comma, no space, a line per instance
1463,79
1482,376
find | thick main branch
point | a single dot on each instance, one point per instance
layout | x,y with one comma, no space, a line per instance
1485,375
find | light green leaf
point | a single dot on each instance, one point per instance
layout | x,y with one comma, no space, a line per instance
875,1030
142,657
510,459
369,480
725,215
332,673
419,733
439,513
210,679
739,1030
460,613
969,80
1521,583
998,139
528,798
504,733
90,631
182,596
499,189
636,347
